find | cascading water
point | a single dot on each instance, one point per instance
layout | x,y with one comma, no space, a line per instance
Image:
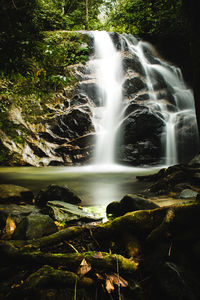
183,97
109,76
159,78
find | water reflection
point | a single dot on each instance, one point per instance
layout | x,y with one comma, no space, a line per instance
94,185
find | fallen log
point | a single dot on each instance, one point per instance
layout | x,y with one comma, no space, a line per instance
71,261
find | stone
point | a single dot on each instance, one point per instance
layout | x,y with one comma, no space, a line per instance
34,226
91,90
187,193
129,203
132,85
133,63
79,99
195,161
56,192
73,124
66,212
133,129
145,152
10,193
117,40
17,212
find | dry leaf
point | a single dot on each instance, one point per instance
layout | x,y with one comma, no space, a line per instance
109,286
84,268
112,279
10,225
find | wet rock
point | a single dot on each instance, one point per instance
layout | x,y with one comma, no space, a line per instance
10,193
188,193
117,40
34,226
79,99
129,203
181,186
186,137
145,152
133,63
142,97
133,129
91,90
16,212
132,85
56,192
195,161
65,212
74,124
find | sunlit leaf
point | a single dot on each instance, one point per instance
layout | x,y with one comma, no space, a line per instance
84,268
109,285
114,279
10,225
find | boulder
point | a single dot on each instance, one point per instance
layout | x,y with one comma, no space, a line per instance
34,226
129,203
187,193
16,212
117,40
186,137
66,212
132,85
133,63
79,99
91,90
145,152
56,192
10,193
141,124
73,124
195,161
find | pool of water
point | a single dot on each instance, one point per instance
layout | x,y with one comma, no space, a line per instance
95,185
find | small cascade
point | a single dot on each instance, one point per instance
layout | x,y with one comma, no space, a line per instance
107,63
171,112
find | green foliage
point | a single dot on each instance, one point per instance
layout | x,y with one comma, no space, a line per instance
155,17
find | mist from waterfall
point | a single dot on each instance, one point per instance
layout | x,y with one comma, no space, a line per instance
109,77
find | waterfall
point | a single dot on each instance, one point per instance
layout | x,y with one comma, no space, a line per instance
109,76
167,99
155,69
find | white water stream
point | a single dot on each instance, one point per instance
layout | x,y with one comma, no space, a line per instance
107,118
109,76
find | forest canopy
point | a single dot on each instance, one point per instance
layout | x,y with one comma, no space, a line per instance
22,21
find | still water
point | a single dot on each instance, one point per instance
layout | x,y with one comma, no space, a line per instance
94,185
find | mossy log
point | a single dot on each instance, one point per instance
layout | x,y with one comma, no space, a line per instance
72,261
143,222
48,276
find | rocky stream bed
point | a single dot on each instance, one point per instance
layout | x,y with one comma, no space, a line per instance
52,248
